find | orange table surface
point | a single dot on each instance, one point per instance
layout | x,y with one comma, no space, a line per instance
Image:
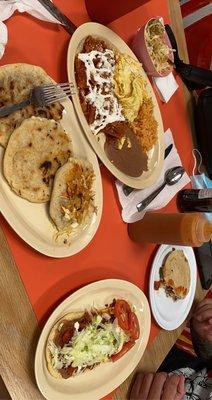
111,254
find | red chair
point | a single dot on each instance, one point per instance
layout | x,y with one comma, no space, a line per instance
197,20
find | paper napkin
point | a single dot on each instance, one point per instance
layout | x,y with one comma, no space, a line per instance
3,37
129,210
166,86
8,7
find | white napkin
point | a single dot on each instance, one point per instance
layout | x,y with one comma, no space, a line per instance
129,211
8,7
166,86
3,37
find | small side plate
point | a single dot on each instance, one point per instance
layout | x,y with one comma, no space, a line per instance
170,314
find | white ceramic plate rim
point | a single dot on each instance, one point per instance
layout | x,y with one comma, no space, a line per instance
135,354
147,178
175,322
21,224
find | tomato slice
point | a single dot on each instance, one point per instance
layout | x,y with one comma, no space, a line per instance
122,312
134,327
127,346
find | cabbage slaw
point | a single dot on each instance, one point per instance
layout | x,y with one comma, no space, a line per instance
158,49
94,344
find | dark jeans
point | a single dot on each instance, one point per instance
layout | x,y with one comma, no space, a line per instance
177,358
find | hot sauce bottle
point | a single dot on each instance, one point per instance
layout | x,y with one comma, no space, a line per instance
188,229
195,200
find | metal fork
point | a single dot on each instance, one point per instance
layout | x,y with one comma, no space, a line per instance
42,96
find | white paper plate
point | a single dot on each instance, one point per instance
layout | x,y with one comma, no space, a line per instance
156,155
31,221
170,314
93,385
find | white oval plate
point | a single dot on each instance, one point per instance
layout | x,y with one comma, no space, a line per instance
170,314
156,155
31,221
93,385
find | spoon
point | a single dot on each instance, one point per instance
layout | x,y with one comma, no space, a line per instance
172,176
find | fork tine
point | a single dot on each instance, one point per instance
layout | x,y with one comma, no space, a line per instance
69,84
66,83
52,99
57,90
57,95
56,86
71,92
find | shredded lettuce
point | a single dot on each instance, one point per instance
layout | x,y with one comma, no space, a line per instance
94,344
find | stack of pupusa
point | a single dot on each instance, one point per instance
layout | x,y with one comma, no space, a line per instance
36,143
16,83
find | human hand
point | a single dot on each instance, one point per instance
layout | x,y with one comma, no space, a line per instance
202,320
158,386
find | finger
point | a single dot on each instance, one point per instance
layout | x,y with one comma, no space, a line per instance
134,395
157,386
204,315
145,387
180,389
170,387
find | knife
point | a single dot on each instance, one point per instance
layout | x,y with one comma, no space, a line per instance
127,189
53,10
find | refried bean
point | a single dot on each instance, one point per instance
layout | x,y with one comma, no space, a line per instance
130,159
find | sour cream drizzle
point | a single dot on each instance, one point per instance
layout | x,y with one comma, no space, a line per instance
107,107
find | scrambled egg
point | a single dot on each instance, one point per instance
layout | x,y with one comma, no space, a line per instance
130,86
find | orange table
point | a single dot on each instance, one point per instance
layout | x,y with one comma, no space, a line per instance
110,254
